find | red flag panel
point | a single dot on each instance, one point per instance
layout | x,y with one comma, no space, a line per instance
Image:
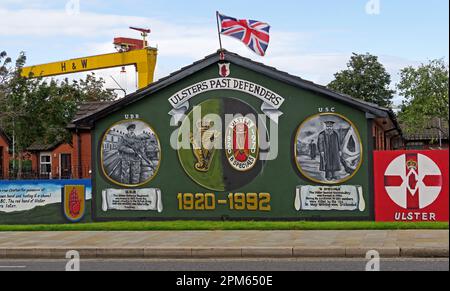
411,186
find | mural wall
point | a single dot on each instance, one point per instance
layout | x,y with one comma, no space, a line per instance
238,146
45,201
232,146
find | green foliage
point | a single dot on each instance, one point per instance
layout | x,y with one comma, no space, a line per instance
26,165
16,96
365,78
39,111
425,90
42,214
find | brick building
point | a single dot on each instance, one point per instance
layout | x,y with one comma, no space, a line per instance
66,160
387,134
52,161
5,144
81,140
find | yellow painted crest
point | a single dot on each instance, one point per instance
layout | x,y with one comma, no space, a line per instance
74,202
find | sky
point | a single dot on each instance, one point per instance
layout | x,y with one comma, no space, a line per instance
311,39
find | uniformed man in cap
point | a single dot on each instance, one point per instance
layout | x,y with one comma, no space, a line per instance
330,151
129,149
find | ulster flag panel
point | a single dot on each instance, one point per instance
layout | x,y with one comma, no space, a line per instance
411,186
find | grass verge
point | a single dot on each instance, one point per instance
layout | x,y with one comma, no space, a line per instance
241,225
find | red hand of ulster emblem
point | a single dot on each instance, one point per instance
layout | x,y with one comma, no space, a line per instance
74,203
413,182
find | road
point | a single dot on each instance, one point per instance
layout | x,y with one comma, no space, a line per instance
255,265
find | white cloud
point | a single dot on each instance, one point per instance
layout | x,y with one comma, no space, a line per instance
179,45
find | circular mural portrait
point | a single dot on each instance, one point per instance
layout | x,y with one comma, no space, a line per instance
219,144
328,149
131,153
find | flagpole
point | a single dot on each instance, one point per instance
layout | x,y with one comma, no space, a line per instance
218,31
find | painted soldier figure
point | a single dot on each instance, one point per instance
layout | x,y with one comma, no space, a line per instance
129,149
330,151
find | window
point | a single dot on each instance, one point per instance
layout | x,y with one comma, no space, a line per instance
46,164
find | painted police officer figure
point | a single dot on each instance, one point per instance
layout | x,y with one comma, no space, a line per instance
330,151
328,148
129,149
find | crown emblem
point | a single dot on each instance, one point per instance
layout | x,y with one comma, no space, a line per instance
412,165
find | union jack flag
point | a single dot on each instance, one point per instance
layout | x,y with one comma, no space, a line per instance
254,34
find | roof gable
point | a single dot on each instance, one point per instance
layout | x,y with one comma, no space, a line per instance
236,59
41,147
87,109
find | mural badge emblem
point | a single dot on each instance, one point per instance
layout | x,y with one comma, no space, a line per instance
224,70
217,148
74,199
241,144
204,146
413,181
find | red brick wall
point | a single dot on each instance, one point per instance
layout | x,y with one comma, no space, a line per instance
5,167
86,156
35,162
84,163
55,157
56,154
379,137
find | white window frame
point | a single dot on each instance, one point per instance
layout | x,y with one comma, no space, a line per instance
45,154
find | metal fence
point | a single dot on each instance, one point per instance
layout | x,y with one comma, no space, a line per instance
30,174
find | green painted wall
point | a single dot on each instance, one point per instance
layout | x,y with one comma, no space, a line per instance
279,177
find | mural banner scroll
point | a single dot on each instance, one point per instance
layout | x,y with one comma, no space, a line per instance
326,198
271,100
134,200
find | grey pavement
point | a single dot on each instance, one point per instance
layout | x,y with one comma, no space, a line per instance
226,244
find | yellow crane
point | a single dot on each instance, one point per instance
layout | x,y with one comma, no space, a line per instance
131,52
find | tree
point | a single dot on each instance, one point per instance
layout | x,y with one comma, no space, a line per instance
365,78
34,110
62,101
425,92
16,96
